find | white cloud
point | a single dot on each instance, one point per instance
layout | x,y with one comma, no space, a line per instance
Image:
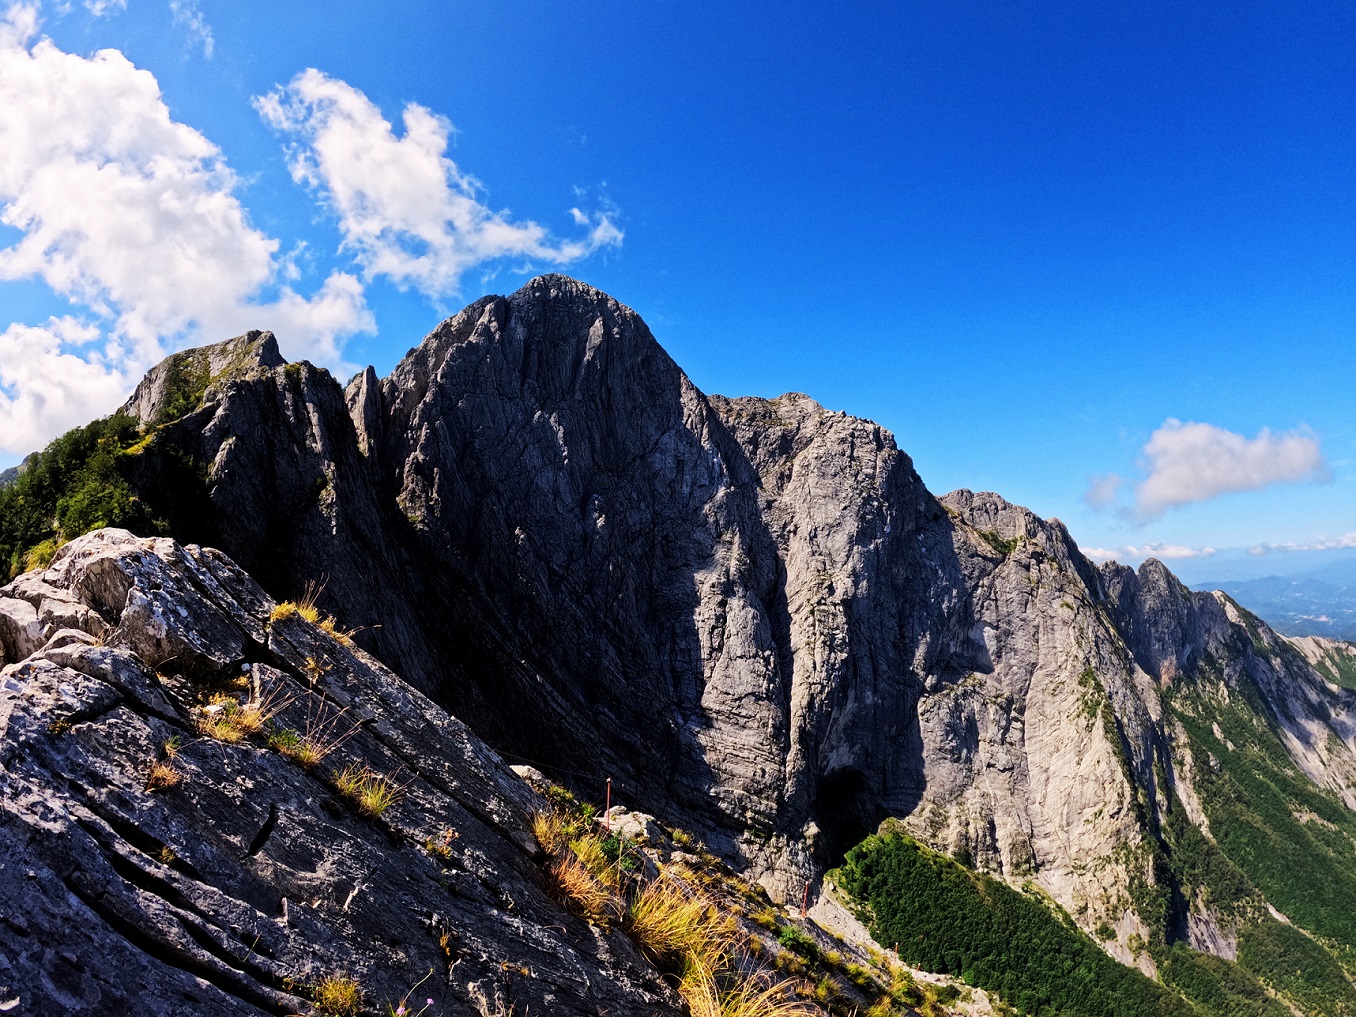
405,209
47,388
1132,552
1102,491
1321,544
99,8
1101,554
134,217
1191,462
188,14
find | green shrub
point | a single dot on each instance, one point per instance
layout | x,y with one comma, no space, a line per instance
76,484
798,942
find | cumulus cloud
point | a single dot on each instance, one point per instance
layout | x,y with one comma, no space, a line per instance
1132,552
1191,462
1196,462
405,209
132,217
47,386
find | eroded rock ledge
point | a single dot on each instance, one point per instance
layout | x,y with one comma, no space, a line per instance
240,882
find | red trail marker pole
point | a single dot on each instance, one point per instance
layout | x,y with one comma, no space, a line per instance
607,809
805,900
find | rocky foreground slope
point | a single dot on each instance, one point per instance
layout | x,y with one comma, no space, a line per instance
755,618
149,868
178,833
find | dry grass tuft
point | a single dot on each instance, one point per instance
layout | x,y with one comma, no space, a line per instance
338,996
329,626
297,747
580,891
290,609
745,997
372,792
226,719
558,829
670,922
321,735
162,776
589,850
306,608
551,830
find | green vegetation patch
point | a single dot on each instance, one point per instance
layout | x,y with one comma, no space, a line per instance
1338,667
1003,546
1204,873
75,485
1296,842
947,919
186,378
1217,986
1292,963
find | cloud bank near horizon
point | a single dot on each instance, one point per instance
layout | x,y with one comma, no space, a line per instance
1131,552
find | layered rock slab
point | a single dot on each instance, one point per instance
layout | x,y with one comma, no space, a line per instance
248,879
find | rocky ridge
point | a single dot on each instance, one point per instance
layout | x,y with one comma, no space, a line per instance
751,613
165,848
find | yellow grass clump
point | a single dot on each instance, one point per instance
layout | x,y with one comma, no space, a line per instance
745,997
162,776
372,792
338,996
226,719
581,892
306,608
670,922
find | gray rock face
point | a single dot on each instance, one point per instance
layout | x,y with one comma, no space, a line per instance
166,388
243,881
750,613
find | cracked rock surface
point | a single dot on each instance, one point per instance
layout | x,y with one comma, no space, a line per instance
241,881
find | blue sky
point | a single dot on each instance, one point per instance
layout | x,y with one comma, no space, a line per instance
1102,262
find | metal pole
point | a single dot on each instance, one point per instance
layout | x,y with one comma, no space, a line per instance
607,809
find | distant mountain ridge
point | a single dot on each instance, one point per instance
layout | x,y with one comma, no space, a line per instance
1316,602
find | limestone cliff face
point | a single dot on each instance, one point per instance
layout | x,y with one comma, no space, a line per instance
752,614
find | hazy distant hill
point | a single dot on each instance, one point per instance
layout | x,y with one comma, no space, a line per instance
1316,602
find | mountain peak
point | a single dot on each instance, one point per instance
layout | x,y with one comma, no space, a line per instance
175,385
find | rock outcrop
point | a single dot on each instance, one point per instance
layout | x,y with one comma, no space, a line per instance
751,614
148,868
